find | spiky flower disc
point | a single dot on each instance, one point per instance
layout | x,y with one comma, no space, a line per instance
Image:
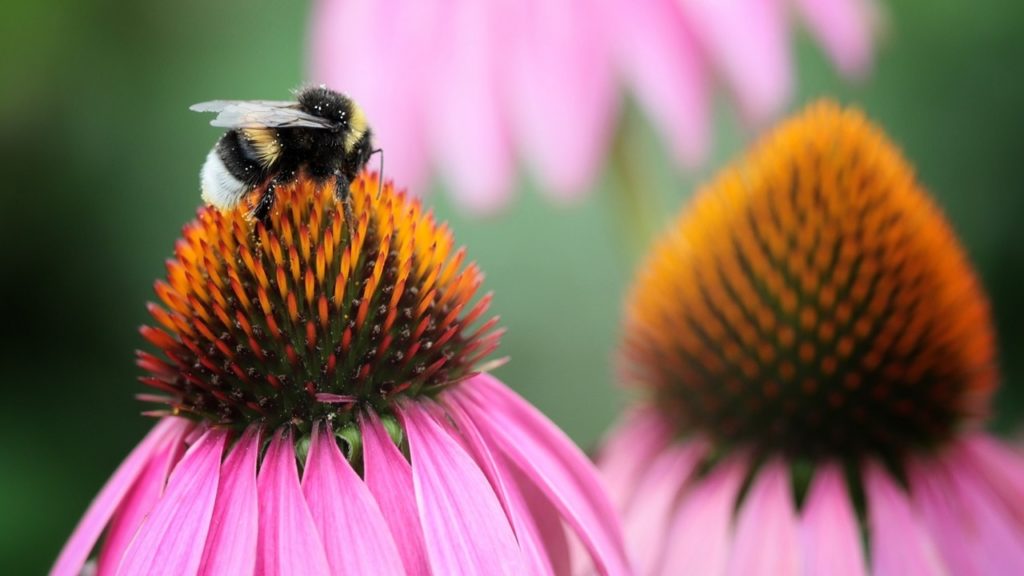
310,316
813,299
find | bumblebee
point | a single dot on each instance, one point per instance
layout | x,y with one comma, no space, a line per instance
322,134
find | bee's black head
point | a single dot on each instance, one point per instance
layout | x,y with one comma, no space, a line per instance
326,103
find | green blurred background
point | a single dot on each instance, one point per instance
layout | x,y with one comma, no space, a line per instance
100,170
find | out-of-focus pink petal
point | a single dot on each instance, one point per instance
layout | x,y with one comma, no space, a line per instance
549,459
354,533
700,535
843,27
89,528
899,544
379,53
171,539
288,540
464,527
767,540
508,491
231,543
627,451
829,530
658,57
140,501
748,42
389,478
1000,466
466,121
986,528
648,520
561,90
938,506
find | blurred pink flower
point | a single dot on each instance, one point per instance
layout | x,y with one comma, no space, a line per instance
473,87
817,358
958,511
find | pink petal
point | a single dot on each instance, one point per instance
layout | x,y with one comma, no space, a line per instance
766,539
508,491
95,519
171,539
353,41
467,128
465,529
561,90
627,450
648,520
699,537
288,539
548,458
747,41
1001,467
660,60
899,544
830,533
355,535
231,542
843,27
389,478
995,539
546,520
938,507
139,501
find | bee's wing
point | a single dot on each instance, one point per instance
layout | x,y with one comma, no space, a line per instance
260,114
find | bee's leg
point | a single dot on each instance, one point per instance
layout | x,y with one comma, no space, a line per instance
380,171
261,213
341,190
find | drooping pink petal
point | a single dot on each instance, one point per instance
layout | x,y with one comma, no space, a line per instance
389,478
986,526
939,509
747,40
102,508
766,540
546,519
508,491
288,540
561,91
843,27
231,543
171,539
648,520
829,531
468,131
549,459
660,60
354,533
899,544
464,527
140,501
1000,466
627,450
700,535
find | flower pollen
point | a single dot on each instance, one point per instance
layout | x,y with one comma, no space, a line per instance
813,300
309,316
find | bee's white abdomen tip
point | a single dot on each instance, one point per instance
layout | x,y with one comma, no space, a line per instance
220,188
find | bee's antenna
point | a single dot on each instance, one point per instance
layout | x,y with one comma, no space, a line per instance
380,172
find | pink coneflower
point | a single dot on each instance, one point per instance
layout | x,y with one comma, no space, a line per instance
323,414
816,357
473,87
